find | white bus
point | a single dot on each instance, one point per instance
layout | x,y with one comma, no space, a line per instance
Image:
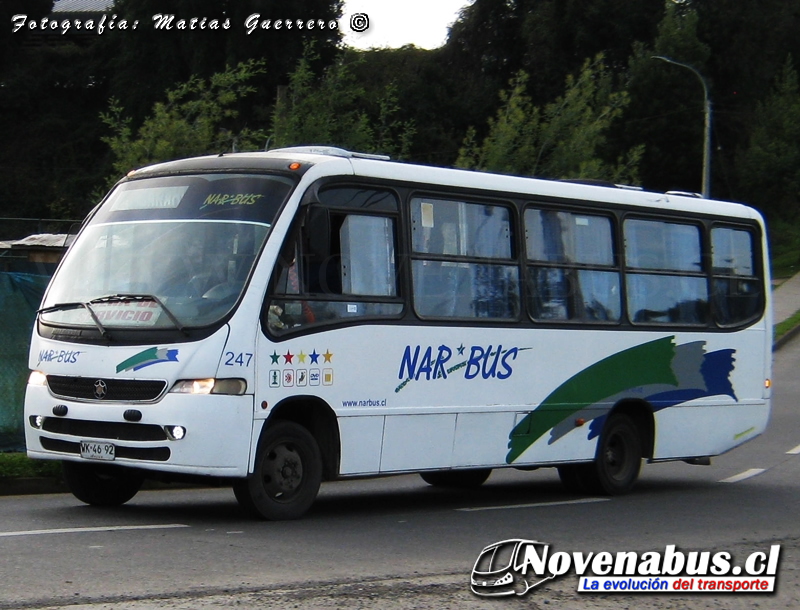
283,318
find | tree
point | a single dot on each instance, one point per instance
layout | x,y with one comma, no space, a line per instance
563,139
50,152
768,167
666,109
332,109
140,67
196,119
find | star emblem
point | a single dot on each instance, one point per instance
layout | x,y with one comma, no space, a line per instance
301,357
314,357
274,357
327,355
287,357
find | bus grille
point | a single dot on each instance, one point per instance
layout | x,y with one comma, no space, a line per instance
87,388
154,454
101,429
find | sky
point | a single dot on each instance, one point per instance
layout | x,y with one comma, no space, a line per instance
394,23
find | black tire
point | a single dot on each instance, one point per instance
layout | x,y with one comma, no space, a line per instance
101,484
287,475
618,461
459,479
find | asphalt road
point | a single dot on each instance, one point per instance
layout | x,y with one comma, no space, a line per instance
397,543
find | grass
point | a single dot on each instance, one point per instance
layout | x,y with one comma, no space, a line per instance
784,240
784,327
18,465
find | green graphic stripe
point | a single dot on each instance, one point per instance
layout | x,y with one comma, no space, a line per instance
148,354
649,363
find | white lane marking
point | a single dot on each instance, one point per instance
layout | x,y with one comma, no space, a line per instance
744,475
535,505
81,530
795,451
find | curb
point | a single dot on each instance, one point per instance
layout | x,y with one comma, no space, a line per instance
785,338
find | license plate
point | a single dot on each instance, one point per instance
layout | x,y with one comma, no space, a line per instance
91,450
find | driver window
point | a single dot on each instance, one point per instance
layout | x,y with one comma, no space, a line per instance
339,264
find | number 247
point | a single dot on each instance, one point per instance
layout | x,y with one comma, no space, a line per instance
239,359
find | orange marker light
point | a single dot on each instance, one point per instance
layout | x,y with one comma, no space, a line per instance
294,165
767,383
579,422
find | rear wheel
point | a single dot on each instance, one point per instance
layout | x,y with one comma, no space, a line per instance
462,479
619,458
287,475
101,484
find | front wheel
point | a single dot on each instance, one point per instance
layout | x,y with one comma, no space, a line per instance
101,484
287,475
618,460
460,479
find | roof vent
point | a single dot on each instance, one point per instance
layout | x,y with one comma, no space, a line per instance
331,151
685,194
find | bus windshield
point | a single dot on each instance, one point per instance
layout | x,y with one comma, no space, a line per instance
166,252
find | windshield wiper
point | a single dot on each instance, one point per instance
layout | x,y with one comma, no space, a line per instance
123,298
75,305
114,298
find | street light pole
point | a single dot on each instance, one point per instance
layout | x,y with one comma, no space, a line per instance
707,108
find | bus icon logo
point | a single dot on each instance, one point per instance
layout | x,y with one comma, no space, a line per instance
503,568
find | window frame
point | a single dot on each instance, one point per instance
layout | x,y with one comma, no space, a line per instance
531,264
515,280
296,238
757,254
702,273
454,196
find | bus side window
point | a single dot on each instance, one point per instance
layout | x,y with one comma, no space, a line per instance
340,265
463,261
735,287
665,280
368,259
572,271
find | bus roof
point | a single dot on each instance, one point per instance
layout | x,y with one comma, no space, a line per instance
339,161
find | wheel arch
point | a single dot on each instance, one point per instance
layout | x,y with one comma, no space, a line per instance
642,415
316,416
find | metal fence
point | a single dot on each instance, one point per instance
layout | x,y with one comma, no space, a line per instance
23,279
17,228
20,295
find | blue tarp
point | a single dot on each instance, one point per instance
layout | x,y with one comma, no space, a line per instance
20,296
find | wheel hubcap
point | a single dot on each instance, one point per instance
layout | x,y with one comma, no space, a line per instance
615,456
282,472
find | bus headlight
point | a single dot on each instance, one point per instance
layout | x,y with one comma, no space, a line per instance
37,421
193,386
234,387
37,378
